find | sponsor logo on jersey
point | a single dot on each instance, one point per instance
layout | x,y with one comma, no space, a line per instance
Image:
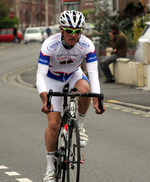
84,44
53,45
44,59
66,61
91,57
67,55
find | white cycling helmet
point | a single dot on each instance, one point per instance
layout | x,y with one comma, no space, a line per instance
72,19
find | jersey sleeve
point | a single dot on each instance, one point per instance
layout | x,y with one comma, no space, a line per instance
41,78
93,77
92,68
43,65
44,57
91,57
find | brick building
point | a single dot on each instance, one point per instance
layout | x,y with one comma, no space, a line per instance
33,12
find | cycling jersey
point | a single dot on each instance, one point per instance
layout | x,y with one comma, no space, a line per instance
59,63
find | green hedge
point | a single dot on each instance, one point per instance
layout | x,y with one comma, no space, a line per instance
7,22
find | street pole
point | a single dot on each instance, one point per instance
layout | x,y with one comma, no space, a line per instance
117,5
146,62
46,13
17,8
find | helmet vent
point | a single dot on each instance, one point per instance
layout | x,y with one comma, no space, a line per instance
74,16
63,22
79,20
69,21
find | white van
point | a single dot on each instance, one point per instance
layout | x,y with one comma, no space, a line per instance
33,34
145,37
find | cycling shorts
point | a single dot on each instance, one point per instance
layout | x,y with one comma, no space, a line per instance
57,86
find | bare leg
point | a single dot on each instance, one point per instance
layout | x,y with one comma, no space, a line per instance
84,102
51,131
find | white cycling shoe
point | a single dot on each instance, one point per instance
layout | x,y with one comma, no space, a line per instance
83,137
49,176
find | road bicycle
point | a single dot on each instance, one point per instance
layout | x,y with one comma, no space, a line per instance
68,157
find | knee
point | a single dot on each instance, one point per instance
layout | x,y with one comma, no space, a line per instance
53,125
84,89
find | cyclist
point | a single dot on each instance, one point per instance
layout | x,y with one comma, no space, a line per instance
59,63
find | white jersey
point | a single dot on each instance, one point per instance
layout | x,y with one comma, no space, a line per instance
59,63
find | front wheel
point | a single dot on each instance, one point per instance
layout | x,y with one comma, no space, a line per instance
67,160
60,158
73,158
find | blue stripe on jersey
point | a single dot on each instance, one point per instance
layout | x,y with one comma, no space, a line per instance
91,57
85,78
43,59
62,76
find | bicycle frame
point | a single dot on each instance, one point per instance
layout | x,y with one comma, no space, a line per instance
68,156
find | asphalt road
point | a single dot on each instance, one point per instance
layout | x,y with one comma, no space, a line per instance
119,146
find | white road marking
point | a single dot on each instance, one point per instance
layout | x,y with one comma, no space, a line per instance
23,180
12,173
3,167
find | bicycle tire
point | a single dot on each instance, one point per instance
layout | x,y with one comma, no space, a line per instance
60,167
68,166
73,158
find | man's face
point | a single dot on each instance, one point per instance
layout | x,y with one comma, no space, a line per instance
70,37
113,31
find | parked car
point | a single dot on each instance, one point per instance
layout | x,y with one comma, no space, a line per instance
6,35
145,37
33,34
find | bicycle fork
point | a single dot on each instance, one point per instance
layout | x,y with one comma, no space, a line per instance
65,138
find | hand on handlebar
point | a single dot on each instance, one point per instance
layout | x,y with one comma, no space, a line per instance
97,109
45,109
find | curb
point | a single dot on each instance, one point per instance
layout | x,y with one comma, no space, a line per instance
14,78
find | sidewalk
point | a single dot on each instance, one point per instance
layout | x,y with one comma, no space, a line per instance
126,95
113,93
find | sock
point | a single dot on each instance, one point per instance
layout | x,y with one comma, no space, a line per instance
50,161
81,120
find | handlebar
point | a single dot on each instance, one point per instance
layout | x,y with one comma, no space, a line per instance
73,95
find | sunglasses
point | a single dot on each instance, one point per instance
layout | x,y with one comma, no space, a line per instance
71,31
